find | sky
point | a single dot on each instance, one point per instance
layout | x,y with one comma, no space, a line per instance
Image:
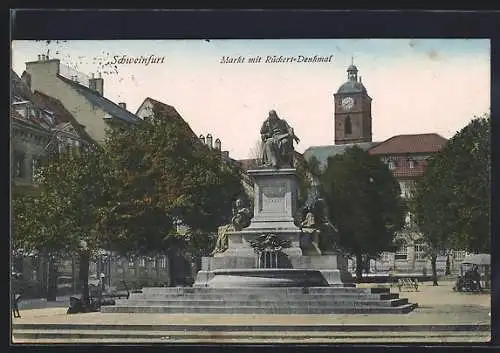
417,85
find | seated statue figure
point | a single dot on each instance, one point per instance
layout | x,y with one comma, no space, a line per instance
311,233
241,219
277,142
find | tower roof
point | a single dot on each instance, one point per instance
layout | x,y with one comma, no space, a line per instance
352,85
352,67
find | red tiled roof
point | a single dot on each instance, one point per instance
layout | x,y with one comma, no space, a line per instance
403,144
170,112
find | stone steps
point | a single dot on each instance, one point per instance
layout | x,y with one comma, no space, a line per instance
253,290
267,302
353,308
309,334
246,297
262,300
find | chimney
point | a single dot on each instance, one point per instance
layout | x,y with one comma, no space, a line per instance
360,79
26,78
209,140
217,144
97,84
123,105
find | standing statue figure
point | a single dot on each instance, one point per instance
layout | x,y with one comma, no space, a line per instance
277,138
241,219
329,234
314,223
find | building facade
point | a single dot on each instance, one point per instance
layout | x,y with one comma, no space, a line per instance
405,156
40,128
81,95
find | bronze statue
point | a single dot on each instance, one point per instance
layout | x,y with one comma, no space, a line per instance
241,219
315,223
311,229
277,138
242,215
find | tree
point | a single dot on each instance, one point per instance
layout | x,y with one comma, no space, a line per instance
61,219
162,174
452,201
363,200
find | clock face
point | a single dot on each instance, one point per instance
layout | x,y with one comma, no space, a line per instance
347,103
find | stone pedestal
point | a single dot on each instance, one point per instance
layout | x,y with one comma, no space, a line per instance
275,204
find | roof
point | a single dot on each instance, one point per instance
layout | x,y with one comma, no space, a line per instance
102,102
61,114
169,112
352,87
406,144
322,153
18,87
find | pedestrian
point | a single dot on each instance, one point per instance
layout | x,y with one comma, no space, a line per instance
16,294
476,277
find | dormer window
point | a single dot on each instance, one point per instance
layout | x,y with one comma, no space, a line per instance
392,165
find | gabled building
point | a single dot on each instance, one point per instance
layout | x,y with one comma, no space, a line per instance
40,126
82,96
145,112
406,156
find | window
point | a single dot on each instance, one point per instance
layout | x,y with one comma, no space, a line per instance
153,262
420,251
405,187
142,262
386,256
131,263
163,261
459,255
348,126
411,163
19,164
409,219
402,253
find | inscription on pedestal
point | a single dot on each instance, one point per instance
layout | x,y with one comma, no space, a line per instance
273,198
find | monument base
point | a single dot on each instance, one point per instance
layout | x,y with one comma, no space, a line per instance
333,268
265,277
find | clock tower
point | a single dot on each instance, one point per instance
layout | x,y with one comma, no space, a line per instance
353,111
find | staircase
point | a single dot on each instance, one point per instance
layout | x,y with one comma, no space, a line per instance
251,333
291,300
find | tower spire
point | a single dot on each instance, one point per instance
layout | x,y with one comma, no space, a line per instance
352,60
